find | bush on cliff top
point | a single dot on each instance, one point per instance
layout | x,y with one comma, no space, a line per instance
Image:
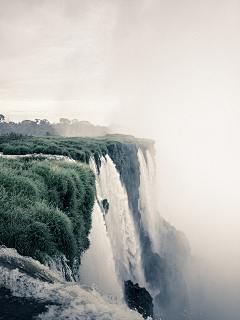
45,206
68,188
77,148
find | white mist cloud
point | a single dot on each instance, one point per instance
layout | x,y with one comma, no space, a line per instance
168,69
54,51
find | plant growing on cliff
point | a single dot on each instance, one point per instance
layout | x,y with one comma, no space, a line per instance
45,206
34,191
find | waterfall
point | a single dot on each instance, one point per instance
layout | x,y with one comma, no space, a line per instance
114,254
97,265
64,300
120,225
147,198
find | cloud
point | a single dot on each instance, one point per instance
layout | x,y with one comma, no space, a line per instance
52,50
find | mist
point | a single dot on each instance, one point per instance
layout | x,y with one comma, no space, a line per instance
198,193
166,70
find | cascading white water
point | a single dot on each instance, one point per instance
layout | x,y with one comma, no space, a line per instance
120,224
97,265
147,198
59,266
114,255
69,300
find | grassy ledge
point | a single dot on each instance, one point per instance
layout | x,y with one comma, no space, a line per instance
46,205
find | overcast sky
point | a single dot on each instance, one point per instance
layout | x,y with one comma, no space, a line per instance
168,68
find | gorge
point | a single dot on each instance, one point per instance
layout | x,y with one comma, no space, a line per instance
73,232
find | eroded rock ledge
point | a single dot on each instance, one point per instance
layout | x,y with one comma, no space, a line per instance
138,298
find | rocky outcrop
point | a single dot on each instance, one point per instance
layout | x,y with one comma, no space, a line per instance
138,298
105,205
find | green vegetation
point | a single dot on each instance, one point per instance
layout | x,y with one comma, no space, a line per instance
45,206
122,150
119,147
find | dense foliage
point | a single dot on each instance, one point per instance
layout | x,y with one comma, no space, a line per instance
122,149
45,206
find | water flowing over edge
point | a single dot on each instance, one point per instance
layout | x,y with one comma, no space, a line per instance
64,299
147,198
97,265
114,256
115,245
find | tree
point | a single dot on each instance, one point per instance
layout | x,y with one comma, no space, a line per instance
2,118
44,122
64,121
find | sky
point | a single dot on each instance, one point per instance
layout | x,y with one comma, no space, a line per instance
165,69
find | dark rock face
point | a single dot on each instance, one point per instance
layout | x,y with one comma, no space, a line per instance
165,273
105,205
138,298
163,270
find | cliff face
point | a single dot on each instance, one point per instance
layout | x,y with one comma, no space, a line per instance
46,205
46,208
164,269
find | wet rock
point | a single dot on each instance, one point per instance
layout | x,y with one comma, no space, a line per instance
138,298
105,205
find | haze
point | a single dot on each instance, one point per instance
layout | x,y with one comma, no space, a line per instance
167,70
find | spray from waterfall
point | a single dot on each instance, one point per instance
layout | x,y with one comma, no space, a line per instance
98,266
120,224
115,253
64,300
147,198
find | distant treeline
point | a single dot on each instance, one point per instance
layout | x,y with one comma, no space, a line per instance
43,127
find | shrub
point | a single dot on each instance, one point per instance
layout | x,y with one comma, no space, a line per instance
45,206
49,202
60,227
18,230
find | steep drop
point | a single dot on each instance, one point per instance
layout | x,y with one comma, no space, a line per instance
115,245
150,218
58,300
97,265
120,224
